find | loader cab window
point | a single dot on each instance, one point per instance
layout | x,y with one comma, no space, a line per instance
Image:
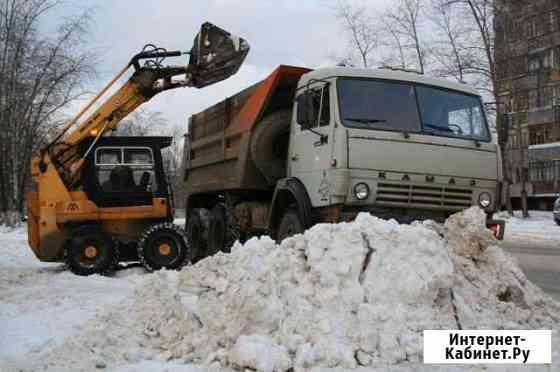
109,156
125,170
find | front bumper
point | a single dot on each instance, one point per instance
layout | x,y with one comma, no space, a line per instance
406,216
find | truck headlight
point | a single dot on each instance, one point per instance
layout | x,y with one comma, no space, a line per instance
361,191
484,199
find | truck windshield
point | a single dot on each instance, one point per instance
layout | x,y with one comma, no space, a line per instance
452,114
407,107
373,104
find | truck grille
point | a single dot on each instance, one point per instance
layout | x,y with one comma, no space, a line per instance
440,197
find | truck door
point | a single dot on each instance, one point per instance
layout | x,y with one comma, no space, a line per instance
310,149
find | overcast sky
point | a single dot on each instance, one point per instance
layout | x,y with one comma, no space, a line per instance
294,32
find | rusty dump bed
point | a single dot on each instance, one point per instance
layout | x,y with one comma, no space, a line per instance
217,155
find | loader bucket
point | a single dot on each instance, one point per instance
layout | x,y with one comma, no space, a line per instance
215,55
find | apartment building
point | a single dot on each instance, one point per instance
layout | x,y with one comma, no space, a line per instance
527,55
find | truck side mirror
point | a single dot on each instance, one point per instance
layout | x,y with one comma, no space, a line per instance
306,113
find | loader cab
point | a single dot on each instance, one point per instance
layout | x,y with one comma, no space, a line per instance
125,171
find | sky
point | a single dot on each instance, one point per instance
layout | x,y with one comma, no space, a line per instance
293,32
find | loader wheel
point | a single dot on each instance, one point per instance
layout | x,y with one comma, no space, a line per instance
91,251
163,246
222,233
290,225
197,233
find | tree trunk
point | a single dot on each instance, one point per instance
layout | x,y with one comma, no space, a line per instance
524,204
10,218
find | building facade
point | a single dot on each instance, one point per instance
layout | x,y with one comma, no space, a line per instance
527,56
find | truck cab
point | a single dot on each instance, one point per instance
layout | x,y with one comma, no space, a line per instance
399,145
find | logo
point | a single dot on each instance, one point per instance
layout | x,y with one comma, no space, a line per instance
73,207
324,189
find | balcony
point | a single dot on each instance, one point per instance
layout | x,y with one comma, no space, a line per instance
544,171
544,115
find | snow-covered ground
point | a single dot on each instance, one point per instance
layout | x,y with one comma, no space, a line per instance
311,302
41,304
539,227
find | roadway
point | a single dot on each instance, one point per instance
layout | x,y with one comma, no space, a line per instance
536,245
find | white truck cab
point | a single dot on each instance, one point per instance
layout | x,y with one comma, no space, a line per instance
394,143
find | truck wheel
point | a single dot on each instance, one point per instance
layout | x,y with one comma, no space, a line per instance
163,246
269,145
197,234
91,251
222,233
290,225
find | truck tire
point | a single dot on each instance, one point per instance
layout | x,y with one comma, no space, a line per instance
91,251
290,225
197,233
163,246
269,145
222,233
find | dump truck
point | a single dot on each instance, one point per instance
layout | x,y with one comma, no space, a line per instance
308,146
101,199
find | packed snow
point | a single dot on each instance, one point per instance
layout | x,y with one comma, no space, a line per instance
539,226
341,296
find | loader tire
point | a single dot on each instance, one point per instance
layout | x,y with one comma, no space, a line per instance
164,246
222,232
197,233
91,251
269,145
290,225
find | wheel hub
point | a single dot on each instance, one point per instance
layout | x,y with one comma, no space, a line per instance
90,252
164,249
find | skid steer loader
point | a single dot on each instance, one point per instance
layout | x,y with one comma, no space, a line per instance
102,199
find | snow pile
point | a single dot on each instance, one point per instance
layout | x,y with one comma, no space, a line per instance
339,296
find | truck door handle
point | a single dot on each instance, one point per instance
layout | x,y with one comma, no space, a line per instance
295,158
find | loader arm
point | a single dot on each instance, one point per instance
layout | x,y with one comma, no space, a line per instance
215,56
138,89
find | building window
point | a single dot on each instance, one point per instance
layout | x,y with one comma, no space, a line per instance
556,95
521,101
548,58
531,27
547,96
533,99
535,64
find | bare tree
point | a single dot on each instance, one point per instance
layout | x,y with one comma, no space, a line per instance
404,21
39,76
477,20
481,14
451,44
143,122
397,56
363,36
